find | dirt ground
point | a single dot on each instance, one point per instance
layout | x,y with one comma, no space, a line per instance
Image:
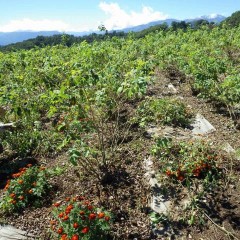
126,192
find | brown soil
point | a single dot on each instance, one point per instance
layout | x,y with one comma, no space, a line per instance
125,190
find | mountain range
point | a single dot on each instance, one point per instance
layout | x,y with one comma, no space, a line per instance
216,19
19,36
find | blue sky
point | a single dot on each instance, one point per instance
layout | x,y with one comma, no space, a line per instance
79,15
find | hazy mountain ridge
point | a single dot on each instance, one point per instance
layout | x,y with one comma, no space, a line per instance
14,37
217,19
19,36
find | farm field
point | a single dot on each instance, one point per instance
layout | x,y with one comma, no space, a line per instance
88,117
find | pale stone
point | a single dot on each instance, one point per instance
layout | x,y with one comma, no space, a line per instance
202,126
159,205
8,232
172,89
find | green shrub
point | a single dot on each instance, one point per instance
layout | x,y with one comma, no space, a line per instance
165,111
186,160
26,188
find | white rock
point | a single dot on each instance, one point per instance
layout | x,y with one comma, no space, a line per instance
8,232
172,88
202,126
159,205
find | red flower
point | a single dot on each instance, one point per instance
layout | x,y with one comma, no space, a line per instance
13,201
65,218
15,175
60,230
101,215
12,195
61,215
180,178
107,218
169,173
64,237
196,172
20,181
67,211
85,230
204,165
21,197
75,225
70,207
57,204
92,216
7,185
90,207
81,213
75,237
80,198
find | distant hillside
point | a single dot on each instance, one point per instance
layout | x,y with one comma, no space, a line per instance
215,19
233,20
151,24
14,37
65,39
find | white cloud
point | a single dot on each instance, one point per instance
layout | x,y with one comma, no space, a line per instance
34,25
118,18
